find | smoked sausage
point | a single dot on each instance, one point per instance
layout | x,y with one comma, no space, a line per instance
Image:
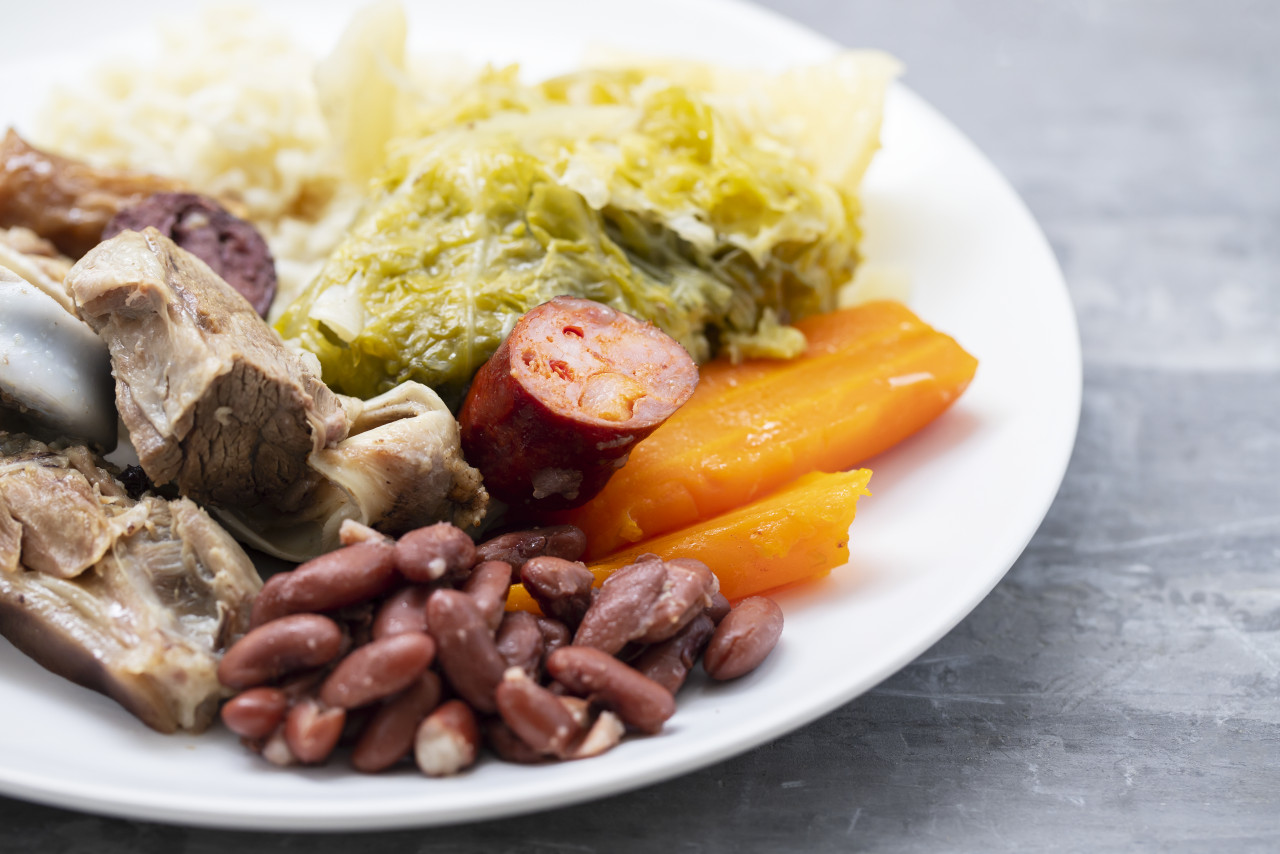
65,201
557,409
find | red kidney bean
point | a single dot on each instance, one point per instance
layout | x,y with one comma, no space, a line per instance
623,608
489,584
276,749
554,635
448,740
270,602
520,642
312,730
465,647
378,669
516,547
603,735
430,553
718,608
255,713
508,745
561,588
345,576
668,663
535,714
579,708
383,699
403,611
743,639
280,647
685,594
637,699
388,736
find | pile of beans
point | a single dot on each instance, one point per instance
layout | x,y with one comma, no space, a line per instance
406,647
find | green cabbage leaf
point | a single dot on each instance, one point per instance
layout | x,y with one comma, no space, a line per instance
657,192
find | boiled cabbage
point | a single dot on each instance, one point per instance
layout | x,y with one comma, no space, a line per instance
663,193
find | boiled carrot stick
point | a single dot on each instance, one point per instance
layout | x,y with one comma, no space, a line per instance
856,330
797,533
871,376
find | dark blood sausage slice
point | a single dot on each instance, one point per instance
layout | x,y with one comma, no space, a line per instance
230,246
557,409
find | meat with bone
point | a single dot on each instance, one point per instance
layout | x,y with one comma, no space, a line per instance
216,404
136,600
64,200
36,260
70,395
400,468
213,401
230,246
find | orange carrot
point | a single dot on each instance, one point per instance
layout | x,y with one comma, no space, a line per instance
871,376
797,533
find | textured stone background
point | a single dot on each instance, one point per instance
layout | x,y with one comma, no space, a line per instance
1117,691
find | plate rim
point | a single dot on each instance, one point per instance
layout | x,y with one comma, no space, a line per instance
95,798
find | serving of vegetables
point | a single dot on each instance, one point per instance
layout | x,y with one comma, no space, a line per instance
613,292
646,194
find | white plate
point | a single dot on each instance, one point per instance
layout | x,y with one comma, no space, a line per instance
952,508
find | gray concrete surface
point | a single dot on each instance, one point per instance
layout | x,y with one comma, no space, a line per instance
1117,691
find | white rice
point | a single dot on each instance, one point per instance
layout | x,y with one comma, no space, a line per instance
229,106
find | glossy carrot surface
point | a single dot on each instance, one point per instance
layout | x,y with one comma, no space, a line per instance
798,533
871,376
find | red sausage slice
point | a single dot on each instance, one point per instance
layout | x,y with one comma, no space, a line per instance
556,410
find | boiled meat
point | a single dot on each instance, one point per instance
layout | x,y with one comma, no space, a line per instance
213,401
134,599
217,405
66,201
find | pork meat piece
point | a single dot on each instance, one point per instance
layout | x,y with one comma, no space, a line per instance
165,590
35,260
231,247
216,404
400,468
55,508
63,200
213,401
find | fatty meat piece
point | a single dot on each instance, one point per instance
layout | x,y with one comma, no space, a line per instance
217,405
134,599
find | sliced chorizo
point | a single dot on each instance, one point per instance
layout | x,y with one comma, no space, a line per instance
557,409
